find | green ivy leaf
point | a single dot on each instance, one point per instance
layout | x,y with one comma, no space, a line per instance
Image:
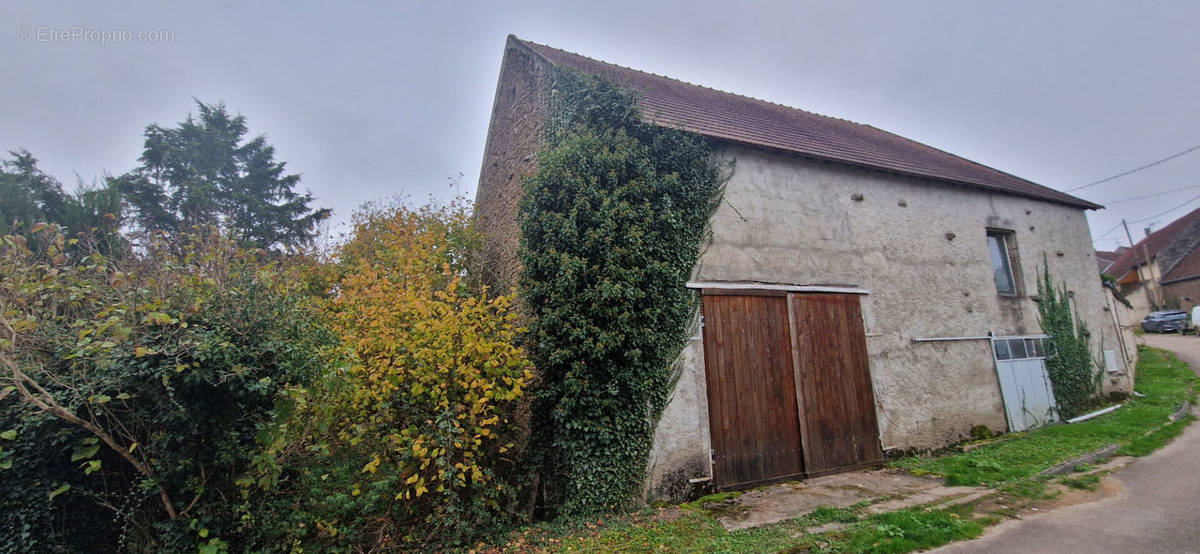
84,452
91,467
9,435
59,491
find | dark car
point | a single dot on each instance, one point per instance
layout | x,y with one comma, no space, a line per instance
1172,321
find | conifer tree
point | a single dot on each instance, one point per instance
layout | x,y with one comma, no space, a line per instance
204,172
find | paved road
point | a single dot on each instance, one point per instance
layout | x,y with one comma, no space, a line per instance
1157,511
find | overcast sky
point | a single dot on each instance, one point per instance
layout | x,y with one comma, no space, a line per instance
368,101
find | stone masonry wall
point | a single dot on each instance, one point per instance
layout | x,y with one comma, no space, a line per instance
920,248
510,155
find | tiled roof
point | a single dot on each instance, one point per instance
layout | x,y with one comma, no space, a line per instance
1105,258
1187,268
1154,242
673,103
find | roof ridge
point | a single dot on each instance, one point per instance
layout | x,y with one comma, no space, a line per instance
689,83
1190,245
1134,252
751,121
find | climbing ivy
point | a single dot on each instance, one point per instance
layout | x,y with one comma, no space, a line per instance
1070,367
611,227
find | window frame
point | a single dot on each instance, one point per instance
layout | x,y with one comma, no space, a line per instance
1032,348
1007,250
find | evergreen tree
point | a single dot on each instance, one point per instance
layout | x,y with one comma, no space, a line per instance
29,196
204,173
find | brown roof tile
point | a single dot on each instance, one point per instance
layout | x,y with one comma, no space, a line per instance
1105,258
1187,268
673,103
1154,242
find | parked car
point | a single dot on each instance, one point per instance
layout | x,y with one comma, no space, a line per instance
1172,321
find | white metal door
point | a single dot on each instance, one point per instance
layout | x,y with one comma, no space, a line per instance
1024,383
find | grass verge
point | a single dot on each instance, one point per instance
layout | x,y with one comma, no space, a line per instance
696,531
1160,376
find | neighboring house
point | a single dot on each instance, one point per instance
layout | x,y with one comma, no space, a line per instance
1181,283
1161,269
1104,258
861,292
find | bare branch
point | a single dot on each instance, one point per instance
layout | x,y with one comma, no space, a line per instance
46,402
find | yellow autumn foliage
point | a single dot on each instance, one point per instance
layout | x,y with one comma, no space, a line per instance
429,372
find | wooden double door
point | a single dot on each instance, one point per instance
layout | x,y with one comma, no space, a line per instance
789,386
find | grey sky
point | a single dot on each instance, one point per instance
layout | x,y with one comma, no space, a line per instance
368,100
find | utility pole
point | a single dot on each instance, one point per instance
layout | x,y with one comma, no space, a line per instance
1150,296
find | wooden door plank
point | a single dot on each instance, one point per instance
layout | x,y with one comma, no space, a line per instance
835,385
795,322
753,415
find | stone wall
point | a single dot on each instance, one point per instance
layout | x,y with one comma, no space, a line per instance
510,155
1183,294
920,248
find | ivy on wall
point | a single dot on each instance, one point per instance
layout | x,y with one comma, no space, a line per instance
1070,367
611,228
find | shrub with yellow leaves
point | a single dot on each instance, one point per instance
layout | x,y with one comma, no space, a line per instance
400,445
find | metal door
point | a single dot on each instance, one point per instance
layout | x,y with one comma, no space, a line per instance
1024,382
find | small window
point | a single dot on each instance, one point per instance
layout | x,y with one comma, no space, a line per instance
1000,246
1033,347
1020,348
1017,348
1002,350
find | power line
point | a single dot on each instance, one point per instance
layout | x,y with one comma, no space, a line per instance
1193,199
1114,228
1118,201
1137,169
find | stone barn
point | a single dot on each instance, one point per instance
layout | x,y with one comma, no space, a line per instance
860,292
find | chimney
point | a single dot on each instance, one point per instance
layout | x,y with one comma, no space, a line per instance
1147,231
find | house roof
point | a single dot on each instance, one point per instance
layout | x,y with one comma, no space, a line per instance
1154,242
1105,258
741,119
1187,268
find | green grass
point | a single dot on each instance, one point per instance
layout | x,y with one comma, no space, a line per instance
1083,482
1158,438
900,531
1028,489
1160,376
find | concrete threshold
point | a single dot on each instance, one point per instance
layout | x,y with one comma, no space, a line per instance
885,489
